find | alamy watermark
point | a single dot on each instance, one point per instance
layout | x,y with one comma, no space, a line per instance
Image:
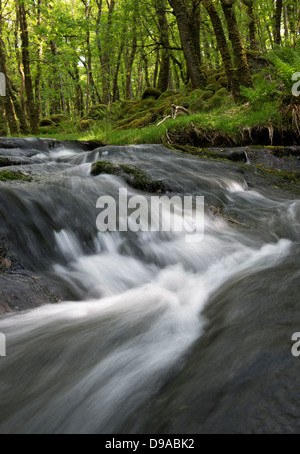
2,344
154,214
2,85
296,86
296,346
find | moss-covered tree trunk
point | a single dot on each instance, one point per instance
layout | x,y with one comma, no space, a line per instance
240,55
31,108
14,95
6,100
164,73
3,124
196,73
277,21
252,23
223,47
129,65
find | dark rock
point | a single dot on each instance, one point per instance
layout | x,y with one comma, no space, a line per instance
151,93
133,176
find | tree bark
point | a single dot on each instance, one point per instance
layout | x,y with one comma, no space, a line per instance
3,124
191,55
240,55
6,100
223,47
164,73
277,21
31,108
252,23
129,65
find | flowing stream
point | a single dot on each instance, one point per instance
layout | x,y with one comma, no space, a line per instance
156,335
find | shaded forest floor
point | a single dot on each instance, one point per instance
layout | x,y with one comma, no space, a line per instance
213,119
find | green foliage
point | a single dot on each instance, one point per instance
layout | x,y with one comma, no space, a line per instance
286,62
263,92
13,176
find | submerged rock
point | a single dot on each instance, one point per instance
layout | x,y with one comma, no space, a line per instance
133,176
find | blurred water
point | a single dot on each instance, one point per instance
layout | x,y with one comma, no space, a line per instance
140,346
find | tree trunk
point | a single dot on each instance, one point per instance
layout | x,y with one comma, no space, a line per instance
116,92
277,21
129,66
31,109
104,49
223,47
195,70
252,24
39,64
3,124
6,101
241,60
164,73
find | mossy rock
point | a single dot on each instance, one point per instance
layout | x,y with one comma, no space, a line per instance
194,96
58,119
48,129
151,92
97,112
136,123
218,99
167,94
207,94
5,162
13,176
47,122
197,106
211,80
223,82
86,125
220,74
133,176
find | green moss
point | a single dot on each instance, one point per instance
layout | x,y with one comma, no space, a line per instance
218,99
223,82
211,80
57,119
151,93
47,122
86,125
133,176
12,176
207,94
167,94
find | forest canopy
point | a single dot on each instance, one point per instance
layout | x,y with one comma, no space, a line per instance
64,58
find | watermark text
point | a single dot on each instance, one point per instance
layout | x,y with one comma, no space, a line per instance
154,214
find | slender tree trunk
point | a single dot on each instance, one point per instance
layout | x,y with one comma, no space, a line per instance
6,100
104,49
116,92
155,73
3,124
18,108
55,82
223,47
286,21
31,108
241,60
191,54
252,23
39,64
20,69
164,73
277,21
129,65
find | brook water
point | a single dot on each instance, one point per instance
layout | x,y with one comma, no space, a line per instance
156,335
